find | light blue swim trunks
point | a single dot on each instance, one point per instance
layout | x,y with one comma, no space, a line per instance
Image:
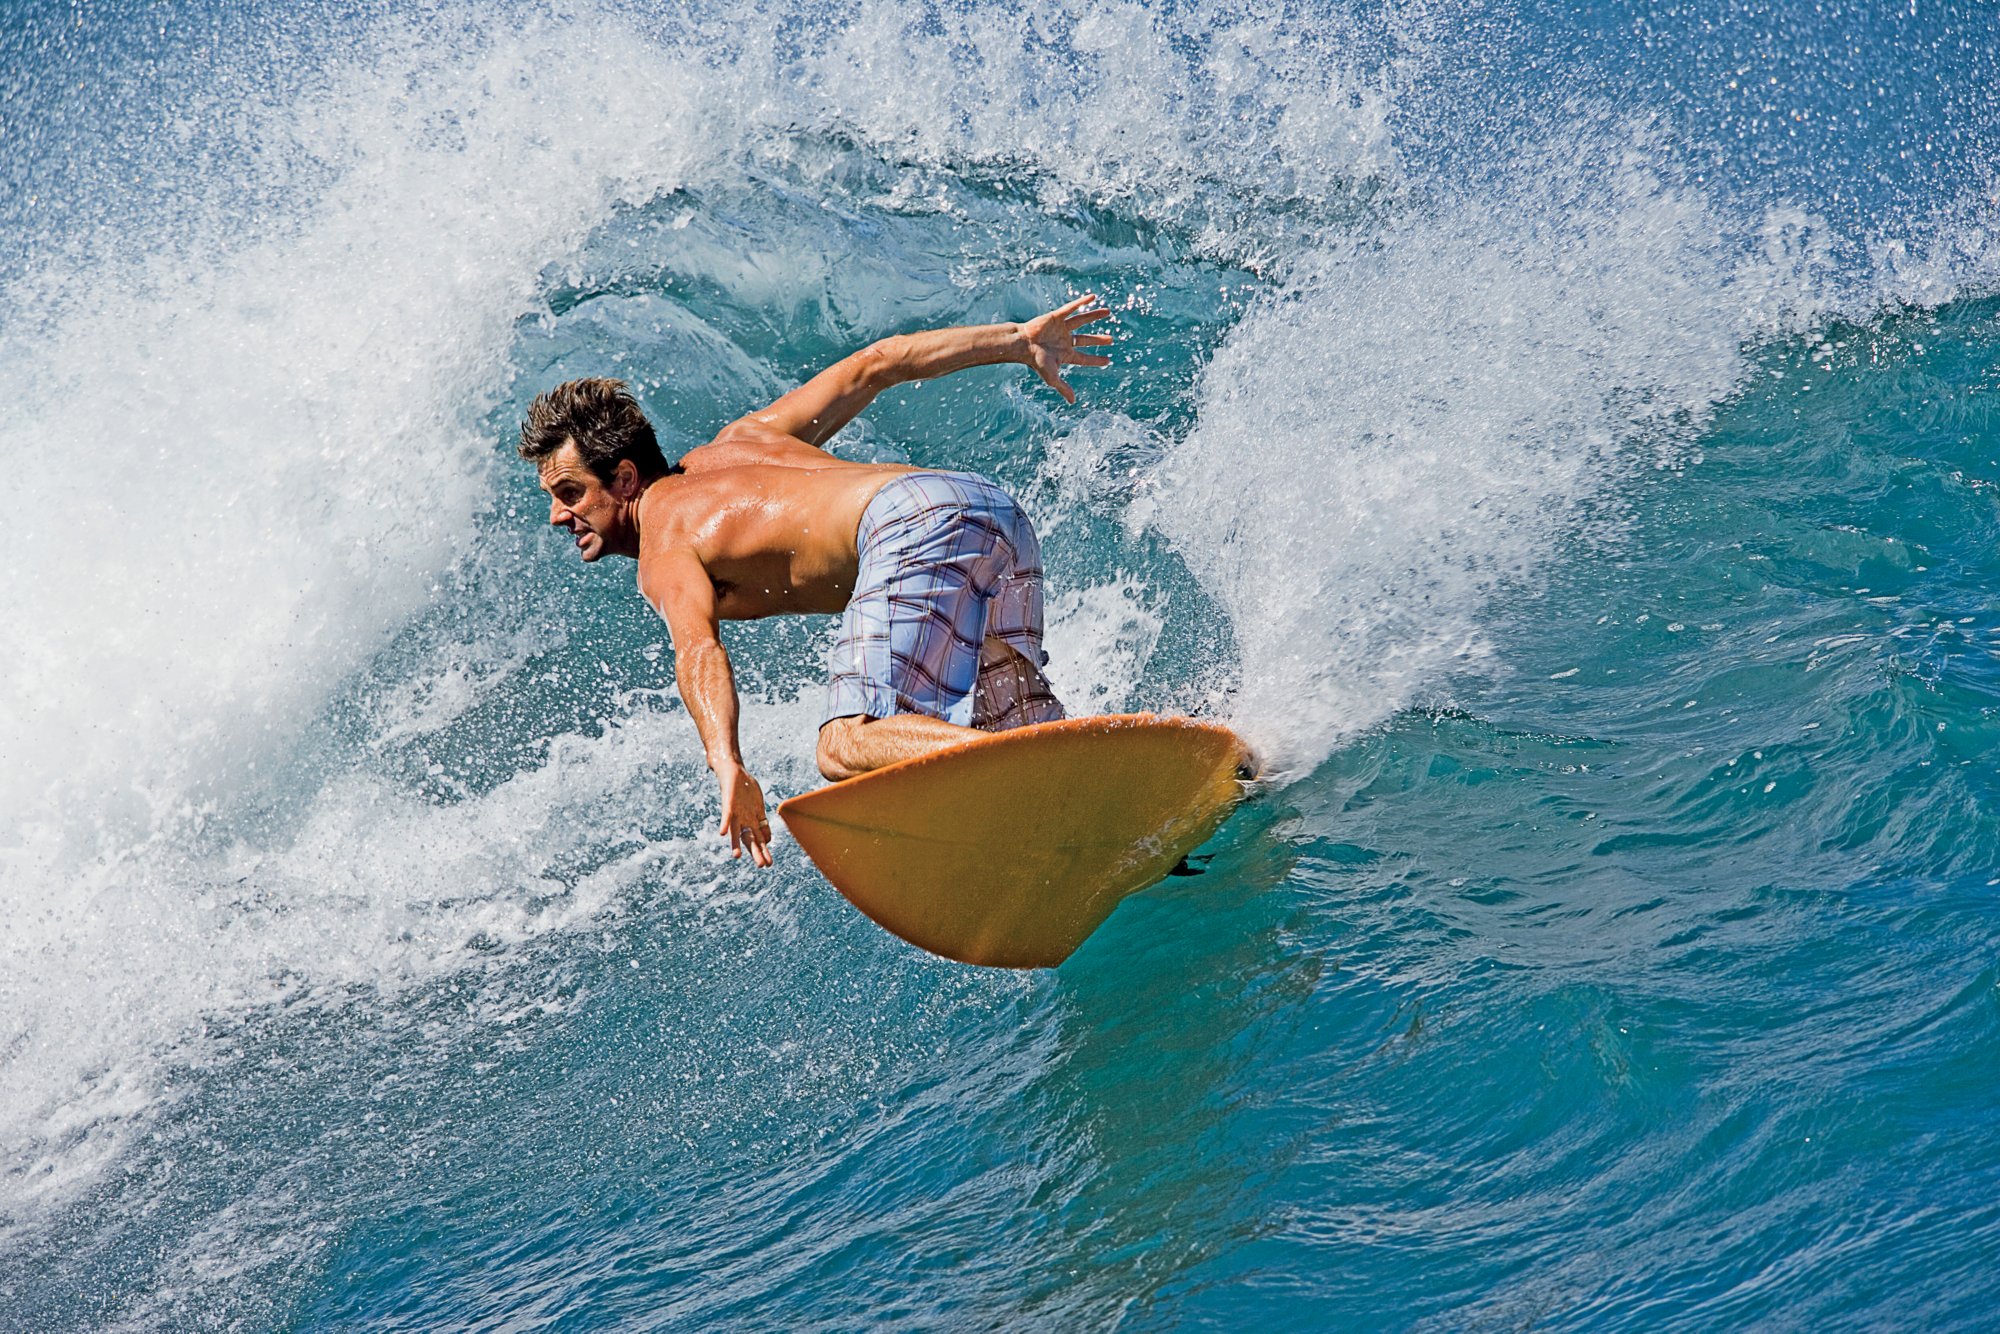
946,616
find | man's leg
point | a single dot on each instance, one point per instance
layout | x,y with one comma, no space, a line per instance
856,744
1012,690
906,659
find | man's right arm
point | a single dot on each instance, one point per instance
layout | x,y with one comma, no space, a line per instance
678,586
817,409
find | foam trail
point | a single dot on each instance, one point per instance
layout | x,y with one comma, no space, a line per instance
1413,422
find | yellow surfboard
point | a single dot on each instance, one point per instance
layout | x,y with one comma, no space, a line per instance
1012,848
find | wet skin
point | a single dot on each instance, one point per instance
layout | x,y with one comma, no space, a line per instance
763,522
773,537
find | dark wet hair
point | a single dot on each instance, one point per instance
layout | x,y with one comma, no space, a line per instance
605,422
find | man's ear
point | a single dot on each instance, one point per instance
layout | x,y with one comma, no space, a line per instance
625,481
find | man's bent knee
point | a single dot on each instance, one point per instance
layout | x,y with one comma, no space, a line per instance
835,751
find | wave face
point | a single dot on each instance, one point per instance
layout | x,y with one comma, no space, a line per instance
1563,444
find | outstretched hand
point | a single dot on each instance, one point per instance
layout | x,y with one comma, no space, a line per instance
744,822
1053,340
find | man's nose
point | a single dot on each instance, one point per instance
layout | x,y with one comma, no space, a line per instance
558,513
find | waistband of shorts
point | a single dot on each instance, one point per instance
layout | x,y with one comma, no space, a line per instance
890,495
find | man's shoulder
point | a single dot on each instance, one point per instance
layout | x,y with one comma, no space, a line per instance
747,442
667,509
685,507
725,451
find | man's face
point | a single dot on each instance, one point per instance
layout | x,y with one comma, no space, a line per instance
582,503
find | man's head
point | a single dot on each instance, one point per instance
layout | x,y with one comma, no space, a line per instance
596,453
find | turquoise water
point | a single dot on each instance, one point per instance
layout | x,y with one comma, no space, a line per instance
1567,444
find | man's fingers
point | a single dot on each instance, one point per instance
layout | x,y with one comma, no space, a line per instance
757,838
1077,304
1094,340
1045,366
1089,317
744,821
1085,359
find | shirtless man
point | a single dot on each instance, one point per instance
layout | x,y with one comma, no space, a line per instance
936,576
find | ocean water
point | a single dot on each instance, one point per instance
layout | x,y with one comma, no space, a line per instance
1566,441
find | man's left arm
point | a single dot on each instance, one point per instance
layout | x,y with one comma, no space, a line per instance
822,405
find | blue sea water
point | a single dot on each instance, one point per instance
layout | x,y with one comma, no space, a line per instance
1566,440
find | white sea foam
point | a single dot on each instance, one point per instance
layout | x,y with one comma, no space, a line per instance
1410,425
1100,639
1413,423
267,453
250,456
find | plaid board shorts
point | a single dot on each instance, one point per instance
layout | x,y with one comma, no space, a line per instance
946,615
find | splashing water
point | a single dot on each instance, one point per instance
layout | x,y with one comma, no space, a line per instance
361,913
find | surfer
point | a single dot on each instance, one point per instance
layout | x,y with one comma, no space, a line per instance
936,575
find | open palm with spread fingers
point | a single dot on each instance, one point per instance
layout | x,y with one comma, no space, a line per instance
1053,342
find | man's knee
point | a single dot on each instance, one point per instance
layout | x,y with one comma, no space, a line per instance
835,752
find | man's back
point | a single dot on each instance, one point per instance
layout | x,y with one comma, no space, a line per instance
774,537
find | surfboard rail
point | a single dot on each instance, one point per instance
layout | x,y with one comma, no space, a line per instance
1009,850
